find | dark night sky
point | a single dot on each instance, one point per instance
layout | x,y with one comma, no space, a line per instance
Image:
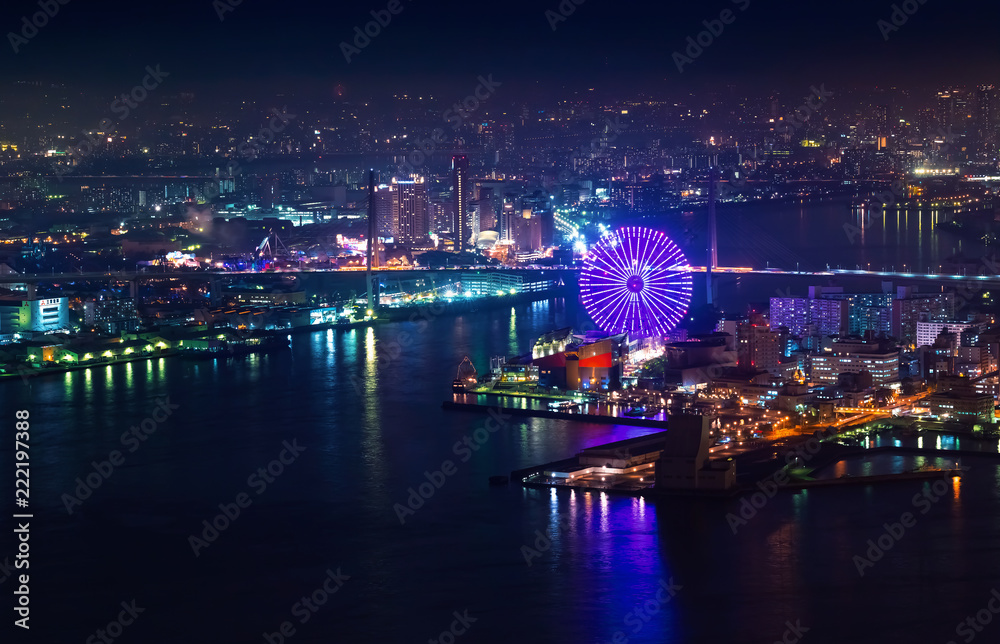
605,44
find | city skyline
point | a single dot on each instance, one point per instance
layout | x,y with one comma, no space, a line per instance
559,321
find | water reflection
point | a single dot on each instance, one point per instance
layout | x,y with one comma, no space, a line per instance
512,346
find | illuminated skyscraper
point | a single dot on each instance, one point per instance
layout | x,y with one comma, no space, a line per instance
758,348
880,121
412,211
508,220
386,201
986,122
946,109
460,181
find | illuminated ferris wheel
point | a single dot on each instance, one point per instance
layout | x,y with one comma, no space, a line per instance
636,281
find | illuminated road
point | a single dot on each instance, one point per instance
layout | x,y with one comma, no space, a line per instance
125,276
722,270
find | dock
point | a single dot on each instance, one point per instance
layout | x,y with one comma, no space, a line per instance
557,415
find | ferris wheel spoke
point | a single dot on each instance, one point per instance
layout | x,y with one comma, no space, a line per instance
620,307
655,260
613,253
624,262
616,271
658,310
601,302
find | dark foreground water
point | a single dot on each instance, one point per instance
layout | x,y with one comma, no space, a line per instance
365,406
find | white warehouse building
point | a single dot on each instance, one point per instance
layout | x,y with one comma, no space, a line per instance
18,315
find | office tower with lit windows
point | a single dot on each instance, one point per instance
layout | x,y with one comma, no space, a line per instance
460,181
412,211
386,198
809,315
946,109
855,356
441,214
880,126
486,216
758,348
986,122
528,231
909,308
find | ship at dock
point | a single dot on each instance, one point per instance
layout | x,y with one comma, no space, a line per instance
467,376
230,343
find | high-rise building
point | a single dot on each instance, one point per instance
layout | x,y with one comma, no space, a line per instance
946,116
487,218
854,357
809,316
508,220
881,314
928,331
528,232
986,122
909,308
386,199
269,191
758,348
867,313
112,316
411,211
460,182
474,219
880,123
441,214
954,122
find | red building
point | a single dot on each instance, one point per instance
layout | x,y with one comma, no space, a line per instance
584,362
